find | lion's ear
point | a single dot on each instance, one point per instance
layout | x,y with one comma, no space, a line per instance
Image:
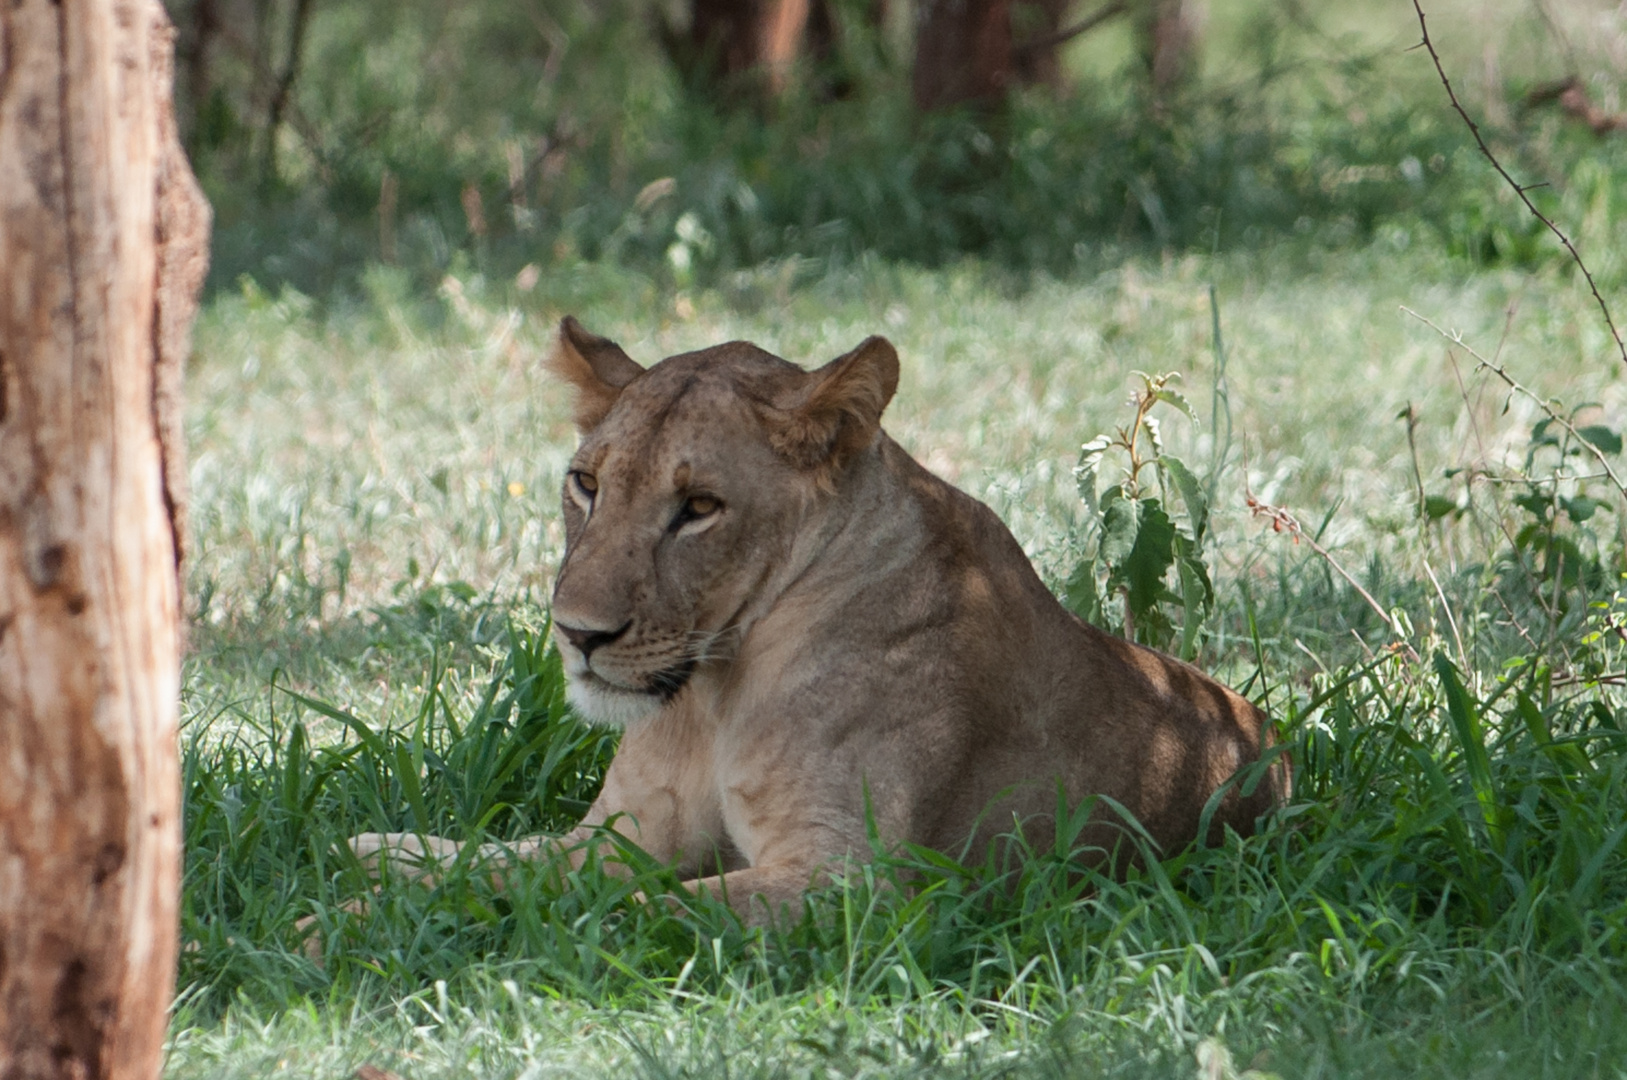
839,411
597,367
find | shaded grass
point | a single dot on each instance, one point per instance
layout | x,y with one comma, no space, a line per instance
1426,819
1447,863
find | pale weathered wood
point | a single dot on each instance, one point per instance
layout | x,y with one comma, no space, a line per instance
102,237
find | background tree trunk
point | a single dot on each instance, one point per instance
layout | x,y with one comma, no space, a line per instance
751,46
963,52
1167,41
1036,59
103,236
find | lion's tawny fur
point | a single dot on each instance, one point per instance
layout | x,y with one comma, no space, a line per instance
841,626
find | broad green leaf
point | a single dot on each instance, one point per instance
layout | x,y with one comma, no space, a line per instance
1090,463
1197,504
1080,595
1194,597
1121,521
1536,503
1150,558
1568,756
1438,506
1601,437
1580,508
1177,399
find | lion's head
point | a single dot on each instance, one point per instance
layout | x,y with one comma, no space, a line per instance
685,501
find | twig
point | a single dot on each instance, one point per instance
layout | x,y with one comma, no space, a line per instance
1446,608
1519,189
1410,415
1534,481
1282,521
1571,96
1514,620
1573,679
1517,387
1088,23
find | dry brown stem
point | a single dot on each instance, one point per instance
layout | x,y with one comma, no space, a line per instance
1571,96
1283,521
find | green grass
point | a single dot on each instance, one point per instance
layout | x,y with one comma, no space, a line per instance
375,489
376,469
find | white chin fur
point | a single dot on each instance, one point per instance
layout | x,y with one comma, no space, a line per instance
598,702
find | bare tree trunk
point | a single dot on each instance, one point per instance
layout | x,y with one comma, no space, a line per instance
974,51
963,52
298,22
1037,60
103,237
194,53
1167,39
748,44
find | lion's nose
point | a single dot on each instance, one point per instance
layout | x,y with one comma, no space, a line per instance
588,640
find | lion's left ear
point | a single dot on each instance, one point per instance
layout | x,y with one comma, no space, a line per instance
839,411
597,367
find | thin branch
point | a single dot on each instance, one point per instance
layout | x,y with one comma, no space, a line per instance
1085,25
1282,521
1519,189
1573,679
285,83
1410,415
1446,608
1517,387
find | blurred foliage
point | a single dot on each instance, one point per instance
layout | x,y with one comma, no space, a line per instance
505,134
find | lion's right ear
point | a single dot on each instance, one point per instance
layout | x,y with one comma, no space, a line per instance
838,410
598,369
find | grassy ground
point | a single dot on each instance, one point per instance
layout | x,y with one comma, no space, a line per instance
375,491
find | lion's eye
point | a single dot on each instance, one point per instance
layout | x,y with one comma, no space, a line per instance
586,483
695,508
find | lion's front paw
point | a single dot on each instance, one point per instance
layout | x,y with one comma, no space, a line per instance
417,857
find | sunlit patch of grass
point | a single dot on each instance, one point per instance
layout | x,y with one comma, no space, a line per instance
375,513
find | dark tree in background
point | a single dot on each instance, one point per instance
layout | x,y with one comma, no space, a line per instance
963,52
1166,39
976,51
751,47
264,37
240,61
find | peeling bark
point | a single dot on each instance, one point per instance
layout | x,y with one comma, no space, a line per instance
103,238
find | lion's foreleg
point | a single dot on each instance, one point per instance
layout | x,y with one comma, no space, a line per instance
426,859
762,895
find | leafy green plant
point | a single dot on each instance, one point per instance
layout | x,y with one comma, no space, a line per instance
1145,574
1557,537
1554,556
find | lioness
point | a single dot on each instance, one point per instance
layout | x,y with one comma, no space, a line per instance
793,620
